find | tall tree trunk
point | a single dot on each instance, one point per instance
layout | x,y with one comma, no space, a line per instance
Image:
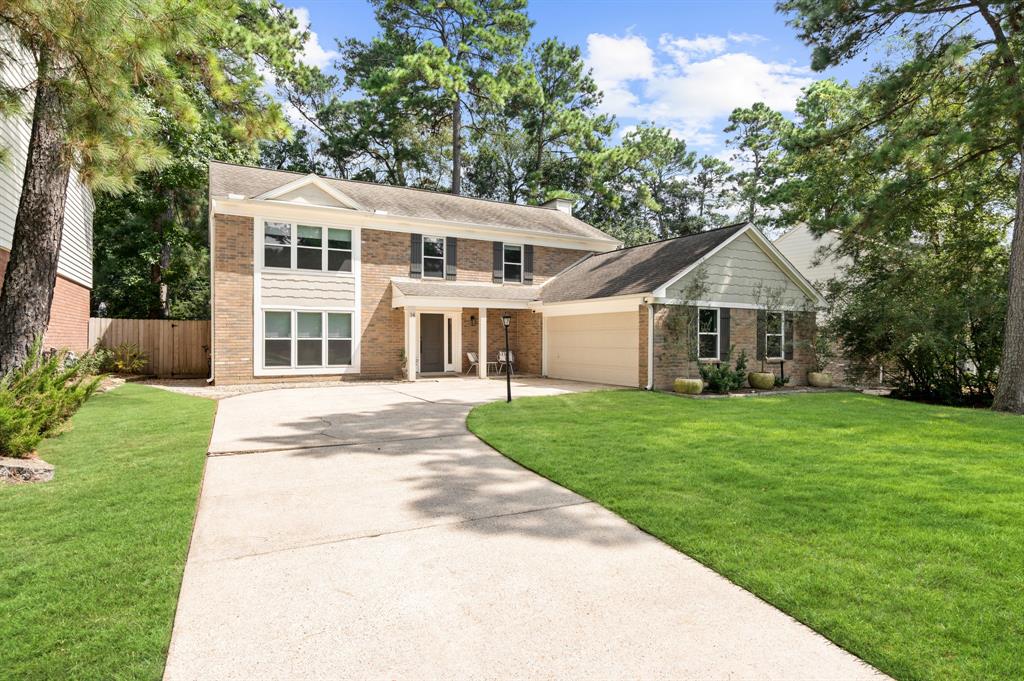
32,270
457,147
1010,390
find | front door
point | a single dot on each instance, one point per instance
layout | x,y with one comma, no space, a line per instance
431,342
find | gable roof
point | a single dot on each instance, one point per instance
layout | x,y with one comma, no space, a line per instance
255,183
634,270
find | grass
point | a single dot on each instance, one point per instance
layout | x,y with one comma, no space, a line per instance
91,562
895,529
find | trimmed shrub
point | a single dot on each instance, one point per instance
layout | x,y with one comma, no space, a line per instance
722,379
38,398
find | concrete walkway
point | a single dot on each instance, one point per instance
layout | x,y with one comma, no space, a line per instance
360,532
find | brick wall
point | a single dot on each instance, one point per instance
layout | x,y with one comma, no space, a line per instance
232,303
69,313
670,363
384,255
524,337
642,329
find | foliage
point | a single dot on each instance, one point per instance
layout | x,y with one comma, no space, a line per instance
945,121
680,322
96,361
128,358
756,133
38,397
820,348
829,506
782,380
105,541
723,379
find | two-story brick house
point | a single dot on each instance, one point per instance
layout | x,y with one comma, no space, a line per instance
320,277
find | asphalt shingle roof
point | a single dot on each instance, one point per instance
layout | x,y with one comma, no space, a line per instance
446,289
226,179
635,270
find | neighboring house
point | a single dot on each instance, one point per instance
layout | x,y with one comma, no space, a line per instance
811,254
69,310
319,277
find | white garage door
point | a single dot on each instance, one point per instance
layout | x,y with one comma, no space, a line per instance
599,348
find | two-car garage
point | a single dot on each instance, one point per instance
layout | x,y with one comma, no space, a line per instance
598,348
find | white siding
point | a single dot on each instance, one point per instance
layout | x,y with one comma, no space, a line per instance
597,348
75,261
738,272
803,250
309,195
293,288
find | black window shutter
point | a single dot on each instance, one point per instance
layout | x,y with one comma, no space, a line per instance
723,334
761,323
788,325
499,266
527,264
416,256
451,258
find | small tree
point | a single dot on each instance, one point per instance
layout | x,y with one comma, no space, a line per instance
770,299
681,322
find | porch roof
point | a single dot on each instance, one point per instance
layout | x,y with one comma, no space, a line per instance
411,292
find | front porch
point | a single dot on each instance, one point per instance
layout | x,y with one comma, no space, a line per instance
445,334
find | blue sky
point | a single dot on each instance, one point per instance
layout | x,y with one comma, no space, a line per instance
684,64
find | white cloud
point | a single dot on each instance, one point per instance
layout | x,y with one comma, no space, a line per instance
615,59
312,52
694,85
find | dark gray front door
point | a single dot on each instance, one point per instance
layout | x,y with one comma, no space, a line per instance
431,342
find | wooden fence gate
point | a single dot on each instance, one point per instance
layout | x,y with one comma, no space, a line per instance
175,348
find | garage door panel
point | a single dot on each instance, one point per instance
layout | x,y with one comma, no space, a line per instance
600,348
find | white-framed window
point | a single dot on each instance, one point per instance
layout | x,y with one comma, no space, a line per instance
306,247
512,263
297,339
708,325
774,335
433,256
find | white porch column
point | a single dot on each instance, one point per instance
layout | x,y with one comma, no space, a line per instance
481,349
412,343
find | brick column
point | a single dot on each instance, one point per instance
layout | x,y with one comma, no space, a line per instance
482,343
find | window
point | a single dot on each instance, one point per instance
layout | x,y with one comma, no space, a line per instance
339,250
277,339
277,244
312,346
309,255
513,263
707,333
311,250
433,256
339,338
774,335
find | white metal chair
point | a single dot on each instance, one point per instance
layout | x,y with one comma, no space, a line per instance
471,356
508,363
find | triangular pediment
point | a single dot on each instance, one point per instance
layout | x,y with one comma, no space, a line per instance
311,190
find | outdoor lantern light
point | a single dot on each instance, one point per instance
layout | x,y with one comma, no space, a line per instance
506,319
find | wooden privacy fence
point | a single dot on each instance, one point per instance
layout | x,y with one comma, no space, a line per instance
174,348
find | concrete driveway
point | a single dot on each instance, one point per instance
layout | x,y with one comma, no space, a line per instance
360,531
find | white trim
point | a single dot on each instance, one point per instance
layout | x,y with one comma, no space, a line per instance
717,334
629,303
424,256
505,263
769,249
722,303
406,225
455,317
399,299
316,181
650,346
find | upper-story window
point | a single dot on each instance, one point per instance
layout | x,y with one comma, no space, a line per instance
307,247
433,256
512,263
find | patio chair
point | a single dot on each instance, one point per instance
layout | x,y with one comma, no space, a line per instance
471,356
508,363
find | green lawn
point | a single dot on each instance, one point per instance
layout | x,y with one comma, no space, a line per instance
91,562
895,529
